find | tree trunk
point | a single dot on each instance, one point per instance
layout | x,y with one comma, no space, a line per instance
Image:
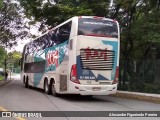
5,66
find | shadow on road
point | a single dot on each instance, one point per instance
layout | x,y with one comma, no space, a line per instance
67,97
76,98
79,98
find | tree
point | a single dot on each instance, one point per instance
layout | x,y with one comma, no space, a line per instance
11,25
51,15
1,3
14,58
139,22
2,54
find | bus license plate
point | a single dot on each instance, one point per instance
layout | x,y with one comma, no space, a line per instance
96,88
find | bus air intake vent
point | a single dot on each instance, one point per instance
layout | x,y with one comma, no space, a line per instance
96,59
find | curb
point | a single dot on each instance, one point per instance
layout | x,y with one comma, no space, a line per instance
155,98
4,82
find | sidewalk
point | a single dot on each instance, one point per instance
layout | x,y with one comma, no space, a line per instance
2,82
12,77
138,96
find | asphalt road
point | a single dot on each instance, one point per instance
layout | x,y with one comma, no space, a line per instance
15,97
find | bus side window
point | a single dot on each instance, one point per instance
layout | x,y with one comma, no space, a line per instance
65,32
55,37
60,34
52,37
26,52
21,63
23,56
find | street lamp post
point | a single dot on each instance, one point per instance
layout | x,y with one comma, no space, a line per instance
111,3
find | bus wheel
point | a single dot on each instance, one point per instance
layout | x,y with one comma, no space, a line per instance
23,79
53,90
46,86
26,83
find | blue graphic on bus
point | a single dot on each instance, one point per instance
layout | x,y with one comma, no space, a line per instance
115,48
53,56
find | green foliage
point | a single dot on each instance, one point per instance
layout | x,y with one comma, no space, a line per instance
13,59
2,56
1,3
11,24
54,14
139,22
1,77
141,87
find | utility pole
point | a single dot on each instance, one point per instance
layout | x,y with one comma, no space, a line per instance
110,8
111,3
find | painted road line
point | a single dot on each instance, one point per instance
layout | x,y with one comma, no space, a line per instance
18,118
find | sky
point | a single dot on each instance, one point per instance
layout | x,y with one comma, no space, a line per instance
21,43
33,31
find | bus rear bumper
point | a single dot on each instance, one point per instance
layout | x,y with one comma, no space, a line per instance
97,90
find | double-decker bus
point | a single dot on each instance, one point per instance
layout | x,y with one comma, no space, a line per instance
79,56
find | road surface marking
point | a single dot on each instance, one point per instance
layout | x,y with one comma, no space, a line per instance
18,118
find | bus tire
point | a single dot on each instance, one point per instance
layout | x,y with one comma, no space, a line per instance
23,79
46,86
26,83
54,93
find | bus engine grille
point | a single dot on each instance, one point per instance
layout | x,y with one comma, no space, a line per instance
96,59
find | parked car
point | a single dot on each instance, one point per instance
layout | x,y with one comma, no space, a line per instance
2,73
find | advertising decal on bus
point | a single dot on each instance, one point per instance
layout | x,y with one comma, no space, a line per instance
90,55
54,56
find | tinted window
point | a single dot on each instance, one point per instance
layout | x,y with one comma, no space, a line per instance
34,67
53,37
97,27
23,56
61,34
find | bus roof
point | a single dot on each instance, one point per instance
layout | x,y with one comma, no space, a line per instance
94,17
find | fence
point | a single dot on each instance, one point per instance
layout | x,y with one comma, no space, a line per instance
16,70
140,76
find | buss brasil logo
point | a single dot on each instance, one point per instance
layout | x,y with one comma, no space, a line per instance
52,58
95,53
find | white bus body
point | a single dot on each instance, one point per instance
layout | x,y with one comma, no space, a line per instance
79,56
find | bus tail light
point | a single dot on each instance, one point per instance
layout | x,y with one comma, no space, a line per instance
114,20
79,17
116,76
73,75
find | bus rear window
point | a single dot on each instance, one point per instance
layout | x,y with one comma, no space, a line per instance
97,27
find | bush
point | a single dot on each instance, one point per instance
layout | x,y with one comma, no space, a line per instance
1,77
152,88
